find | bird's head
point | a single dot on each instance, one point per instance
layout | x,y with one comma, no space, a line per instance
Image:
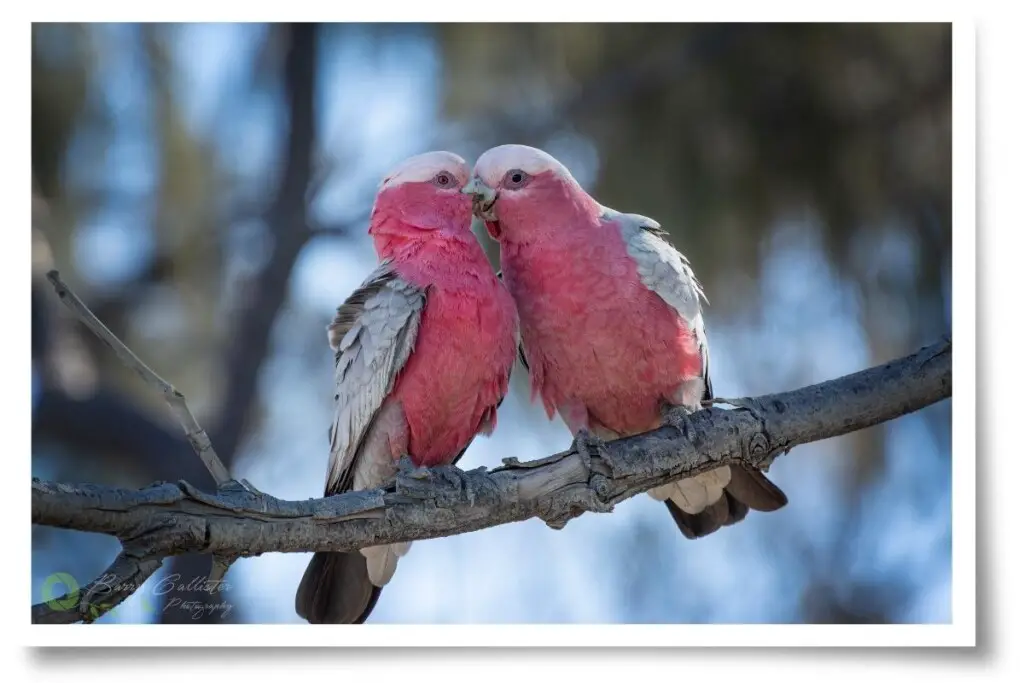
420,198
512,182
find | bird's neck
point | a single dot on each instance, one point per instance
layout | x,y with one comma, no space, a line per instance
562,216
435,260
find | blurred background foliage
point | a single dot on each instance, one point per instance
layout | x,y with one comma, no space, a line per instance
205,188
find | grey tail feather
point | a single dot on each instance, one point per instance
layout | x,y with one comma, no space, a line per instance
755,490
336,590
748,489
725,511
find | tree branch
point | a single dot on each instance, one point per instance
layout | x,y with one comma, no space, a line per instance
197,436
124,576
172,519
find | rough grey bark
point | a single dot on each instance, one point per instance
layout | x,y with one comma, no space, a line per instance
170,519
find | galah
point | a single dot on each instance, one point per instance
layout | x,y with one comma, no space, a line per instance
610,320
423,353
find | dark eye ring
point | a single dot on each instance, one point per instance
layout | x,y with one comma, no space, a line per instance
516,177
444,179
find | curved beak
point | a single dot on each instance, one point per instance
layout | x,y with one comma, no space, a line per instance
483,198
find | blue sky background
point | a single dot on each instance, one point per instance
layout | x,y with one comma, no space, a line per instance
625,567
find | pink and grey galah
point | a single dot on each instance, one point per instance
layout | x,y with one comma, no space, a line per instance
423,353
611,321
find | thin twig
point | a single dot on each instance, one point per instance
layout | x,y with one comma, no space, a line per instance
175,399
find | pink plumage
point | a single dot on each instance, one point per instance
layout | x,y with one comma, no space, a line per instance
460,369
611,322
465,347
423,352
594,335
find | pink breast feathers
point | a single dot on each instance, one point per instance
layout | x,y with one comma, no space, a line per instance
458,371
608,343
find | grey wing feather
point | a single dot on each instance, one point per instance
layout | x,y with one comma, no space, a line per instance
373,335
667,273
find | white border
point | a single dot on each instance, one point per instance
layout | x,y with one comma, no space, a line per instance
961,632
501,635
964,440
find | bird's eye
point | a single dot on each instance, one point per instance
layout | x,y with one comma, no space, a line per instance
444,179
516,178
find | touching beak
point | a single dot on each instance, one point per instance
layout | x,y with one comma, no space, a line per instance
483,198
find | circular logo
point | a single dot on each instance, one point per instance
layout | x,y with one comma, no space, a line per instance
57,602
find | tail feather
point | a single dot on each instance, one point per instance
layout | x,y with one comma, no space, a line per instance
755,489
748,489
382,560
725,511
336,589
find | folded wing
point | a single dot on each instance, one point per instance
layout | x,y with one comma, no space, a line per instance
373,334
703,504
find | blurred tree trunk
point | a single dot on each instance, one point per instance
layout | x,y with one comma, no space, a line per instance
247,347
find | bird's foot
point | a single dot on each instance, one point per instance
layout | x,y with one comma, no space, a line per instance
444,483
448,475
407,468
470,483
412,480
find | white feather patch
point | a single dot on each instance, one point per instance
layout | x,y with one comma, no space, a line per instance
424,167
493,164
694,494
661,266
382,560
